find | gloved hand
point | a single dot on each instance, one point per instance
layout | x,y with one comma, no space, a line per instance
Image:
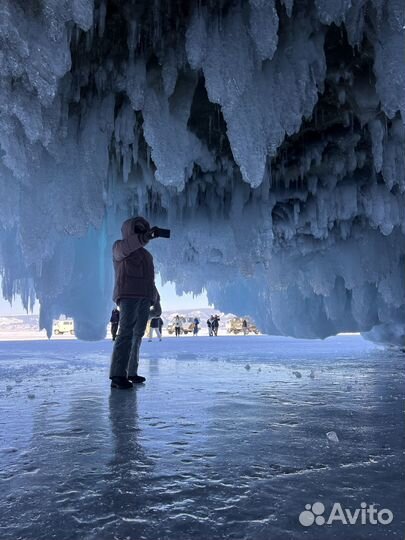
156,309
148,235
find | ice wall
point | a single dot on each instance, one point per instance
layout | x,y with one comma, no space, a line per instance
268,135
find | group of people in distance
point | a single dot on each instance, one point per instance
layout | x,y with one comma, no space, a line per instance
156,325
213,325
178,326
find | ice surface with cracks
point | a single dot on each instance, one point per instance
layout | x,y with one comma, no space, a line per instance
269,136
207,448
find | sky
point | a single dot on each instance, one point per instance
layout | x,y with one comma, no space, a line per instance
169,300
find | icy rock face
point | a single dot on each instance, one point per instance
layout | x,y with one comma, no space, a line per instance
268,135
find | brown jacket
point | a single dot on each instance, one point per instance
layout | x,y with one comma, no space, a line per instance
133,265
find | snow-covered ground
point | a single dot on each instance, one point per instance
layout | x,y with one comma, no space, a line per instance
227,440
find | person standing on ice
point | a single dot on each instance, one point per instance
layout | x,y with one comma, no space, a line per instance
135,292
160,325
114,320
155,325
177,326
245,327
215,325
209,324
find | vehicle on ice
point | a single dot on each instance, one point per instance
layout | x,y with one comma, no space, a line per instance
64,327
235,326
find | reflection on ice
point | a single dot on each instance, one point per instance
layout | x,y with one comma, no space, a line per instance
207,448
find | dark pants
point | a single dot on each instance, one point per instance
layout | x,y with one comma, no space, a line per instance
177,330
114,330
134,313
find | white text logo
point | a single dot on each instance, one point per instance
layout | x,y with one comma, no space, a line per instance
366,514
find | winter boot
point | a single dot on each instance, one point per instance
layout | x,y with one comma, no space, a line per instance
121,383
137,379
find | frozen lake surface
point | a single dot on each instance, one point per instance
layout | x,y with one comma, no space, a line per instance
227,440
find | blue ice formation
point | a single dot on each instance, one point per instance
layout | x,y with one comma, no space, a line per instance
269,136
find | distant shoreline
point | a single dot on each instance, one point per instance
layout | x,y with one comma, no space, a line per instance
25,327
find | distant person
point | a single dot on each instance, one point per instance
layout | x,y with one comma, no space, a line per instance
209,325
160,323
134,292
245,327
115,321
215,325
177,325
196,328
154,326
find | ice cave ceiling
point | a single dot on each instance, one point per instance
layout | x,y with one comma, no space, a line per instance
268,135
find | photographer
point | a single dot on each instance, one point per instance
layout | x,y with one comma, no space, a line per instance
135,292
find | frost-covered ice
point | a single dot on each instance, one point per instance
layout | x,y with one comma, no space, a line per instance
269,136
207,448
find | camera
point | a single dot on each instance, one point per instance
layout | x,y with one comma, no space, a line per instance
157,232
